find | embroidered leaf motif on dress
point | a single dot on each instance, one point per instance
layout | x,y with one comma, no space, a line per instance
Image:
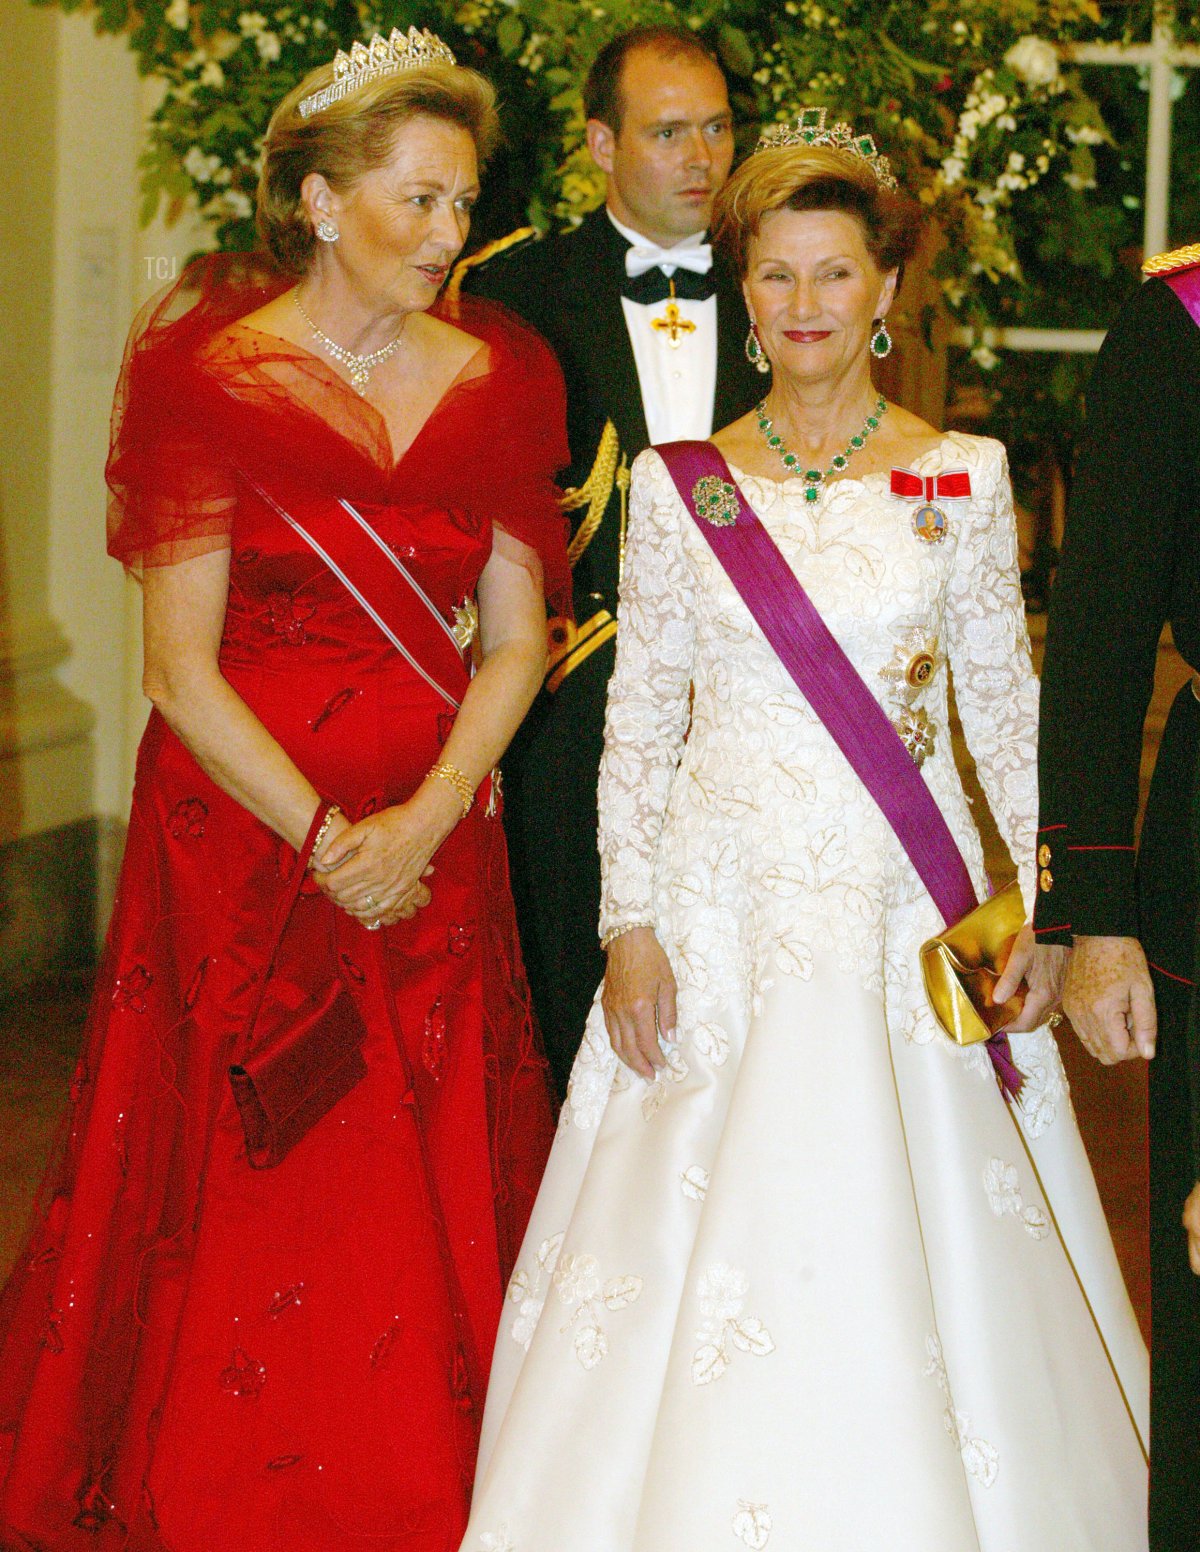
1004,1195
529,1294
980,1459
752,1525
578,1281
722,1294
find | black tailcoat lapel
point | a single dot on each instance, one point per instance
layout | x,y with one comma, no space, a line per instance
599,337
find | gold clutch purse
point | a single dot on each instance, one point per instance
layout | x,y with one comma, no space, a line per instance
962,965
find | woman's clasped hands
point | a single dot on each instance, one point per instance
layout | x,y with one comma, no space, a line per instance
376,869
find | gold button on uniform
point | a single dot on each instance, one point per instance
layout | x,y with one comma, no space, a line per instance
920,670
1043,855
1045,881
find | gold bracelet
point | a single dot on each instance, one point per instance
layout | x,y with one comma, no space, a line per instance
460,783
331,814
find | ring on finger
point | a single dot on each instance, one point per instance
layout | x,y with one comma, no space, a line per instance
373,926
371,903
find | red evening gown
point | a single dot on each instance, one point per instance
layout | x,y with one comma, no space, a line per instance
196,1355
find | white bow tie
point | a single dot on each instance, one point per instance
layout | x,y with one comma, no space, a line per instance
647,256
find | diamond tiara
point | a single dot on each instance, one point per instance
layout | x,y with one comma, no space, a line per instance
382,56
809,128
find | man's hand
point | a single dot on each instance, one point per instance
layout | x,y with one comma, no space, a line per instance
1191,1222
1109,998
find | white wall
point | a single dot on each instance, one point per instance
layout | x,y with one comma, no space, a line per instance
73,271
99,127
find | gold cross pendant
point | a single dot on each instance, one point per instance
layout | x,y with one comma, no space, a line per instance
673,324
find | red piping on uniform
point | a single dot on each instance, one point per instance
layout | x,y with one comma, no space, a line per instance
1100,848
1170,975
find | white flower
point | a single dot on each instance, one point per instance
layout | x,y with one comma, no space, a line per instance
577,1279
1084,134
251,23
1000,1183
212,74
952,170
268,46
201,168
985,357
178,13
236,205
722,1291
1034,60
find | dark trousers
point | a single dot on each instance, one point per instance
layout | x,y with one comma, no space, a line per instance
1168,898
550,776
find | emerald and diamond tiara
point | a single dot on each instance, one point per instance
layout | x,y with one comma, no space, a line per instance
809,128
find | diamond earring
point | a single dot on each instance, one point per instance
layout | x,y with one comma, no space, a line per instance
327,232
881,340
755,354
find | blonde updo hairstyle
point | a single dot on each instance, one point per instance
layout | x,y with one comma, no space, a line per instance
815,178
354,136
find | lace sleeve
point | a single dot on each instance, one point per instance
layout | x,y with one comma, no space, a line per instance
648,697
994,683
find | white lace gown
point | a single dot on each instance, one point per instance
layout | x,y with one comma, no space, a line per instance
818,1288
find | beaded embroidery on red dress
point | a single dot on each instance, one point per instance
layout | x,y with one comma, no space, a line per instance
194,1355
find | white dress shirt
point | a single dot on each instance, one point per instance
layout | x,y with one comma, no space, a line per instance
678,381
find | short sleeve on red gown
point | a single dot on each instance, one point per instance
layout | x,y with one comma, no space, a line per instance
492,447
171,495
510,455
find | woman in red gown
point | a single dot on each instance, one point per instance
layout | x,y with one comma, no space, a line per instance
196,1355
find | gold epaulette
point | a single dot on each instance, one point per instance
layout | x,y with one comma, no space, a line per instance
488,251
1172,263
594,493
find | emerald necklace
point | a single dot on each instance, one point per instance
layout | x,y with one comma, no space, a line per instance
813,478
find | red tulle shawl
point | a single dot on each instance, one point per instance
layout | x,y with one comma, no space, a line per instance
201,397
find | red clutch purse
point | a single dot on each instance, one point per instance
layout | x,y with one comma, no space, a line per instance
304,1045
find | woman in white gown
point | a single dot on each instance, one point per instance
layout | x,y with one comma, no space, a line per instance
798,1277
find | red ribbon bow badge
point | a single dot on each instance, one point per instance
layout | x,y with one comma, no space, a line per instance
929,522
954,485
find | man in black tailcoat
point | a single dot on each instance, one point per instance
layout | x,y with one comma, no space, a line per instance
650,331
1131,563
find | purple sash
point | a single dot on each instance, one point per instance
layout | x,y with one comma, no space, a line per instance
1186,286
834,689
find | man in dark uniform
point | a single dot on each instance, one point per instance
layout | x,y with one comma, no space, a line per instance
1131,563
650,331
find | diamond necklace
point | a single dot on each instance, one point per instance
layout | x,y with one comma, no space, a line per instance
359,367
813,478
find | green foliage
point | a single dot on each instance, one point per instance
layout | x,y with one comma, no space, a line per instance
1031,167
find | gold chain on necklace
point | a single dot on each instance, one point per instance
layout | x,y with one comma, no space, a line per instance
359,367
